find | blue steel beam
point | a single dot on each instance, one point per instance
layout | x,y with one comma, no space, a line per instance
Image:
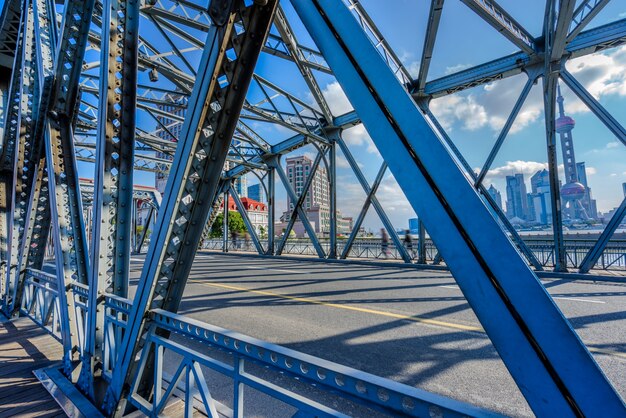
371,193
609,121
275,164
17,146
591,258
505,129
113,182
584,13
588,42
30,182
246,220
515,237
297,209
69,237
434,16
492,13
552,367
214,107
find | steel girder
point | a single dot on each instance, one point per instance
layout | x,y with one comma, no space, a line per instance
33,212
514,308
113,183
218,97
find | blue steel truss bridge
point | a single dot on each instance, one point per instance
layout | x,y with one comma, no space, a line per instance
98,95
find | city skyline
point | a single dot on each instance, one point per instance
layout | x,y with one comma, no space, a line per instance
474,117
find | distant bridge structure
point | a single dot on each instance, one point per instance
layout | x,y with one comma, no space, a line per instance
87,81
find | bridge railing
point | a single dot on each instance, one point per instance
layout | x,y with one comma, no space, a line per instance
40,300
116,311
612,258
250,363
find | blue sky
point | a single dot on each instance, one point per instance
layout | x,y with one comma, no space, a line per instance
473,118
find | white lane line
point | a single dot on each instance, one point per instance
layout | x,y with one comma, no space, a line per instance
272,269
137,259
451,287
577,299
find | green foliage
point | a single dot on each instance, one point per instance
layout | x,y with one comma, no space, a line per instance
235,223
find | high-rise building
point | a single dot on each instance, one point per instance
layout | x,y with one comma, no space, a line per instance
573,192
516,200
540,182
298,169
588,202
540,209
317,200
256,192
624,188
170,129
495,195
316,203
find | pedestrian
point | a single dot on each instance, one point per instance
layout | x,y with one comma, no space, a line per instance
233,237
384,242
408,242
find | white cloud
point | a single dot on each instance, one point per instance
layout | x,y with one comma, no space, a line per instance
528,168
456,68
342,162
336,99
613,144
490,105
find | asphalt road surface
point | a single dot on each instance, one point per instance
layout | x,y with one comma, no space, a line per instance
412,326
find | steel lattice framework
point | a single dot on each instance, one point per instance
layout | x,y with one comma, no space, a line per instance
87,81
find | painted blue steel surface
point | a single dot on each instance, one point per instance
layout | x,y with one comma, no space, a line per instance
550,364
159,242
360,387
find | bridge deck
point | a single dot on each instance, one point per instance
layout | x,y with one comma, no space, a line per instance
25,347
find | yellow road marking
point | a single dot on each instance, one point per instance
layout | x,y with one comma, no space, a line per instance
341,306
378,312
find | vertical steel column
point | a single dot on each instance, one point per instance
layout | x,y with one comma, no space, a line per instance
271,210
233,44
33,215
23,145
532,337
113,183
144,233
225,222
246,221
421,243
70,244
10,135
332,251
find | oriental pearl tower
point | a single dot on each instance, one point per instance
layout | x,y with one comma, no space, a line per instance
572,191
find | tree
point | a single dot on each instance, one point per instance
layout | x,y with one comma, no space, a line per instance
235,224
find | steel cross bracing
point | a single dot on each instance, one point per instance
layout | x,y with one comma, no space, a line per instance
217,99
58,112
111,239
